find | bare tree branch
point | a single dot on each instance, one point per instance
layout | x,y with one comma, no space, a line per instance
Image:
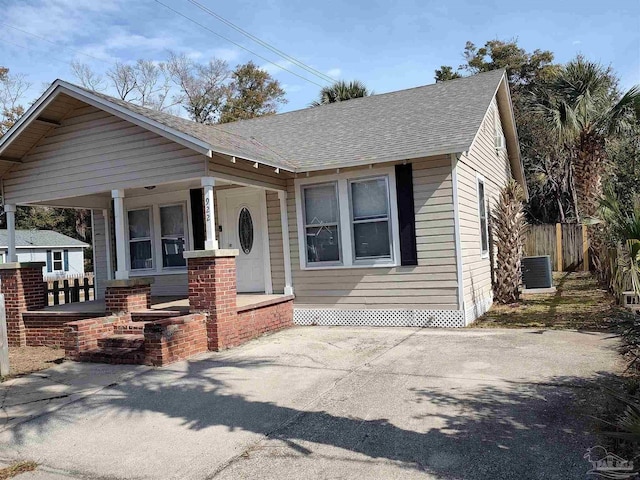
203,88
87,77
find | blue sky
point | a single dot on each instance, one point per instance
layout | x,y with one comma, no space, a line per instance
388,44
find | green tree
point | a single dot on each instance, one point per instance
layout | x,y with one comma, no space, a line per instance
341,91
445,73
253,92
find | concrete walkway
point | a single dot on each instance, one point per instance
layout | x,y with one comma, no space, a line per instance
318,402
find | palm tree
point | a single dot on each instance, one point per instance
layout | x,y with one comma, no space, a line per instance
341,91
508,224
582,106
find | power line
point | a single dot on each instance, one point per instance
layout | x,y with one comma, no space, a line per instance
261,42
237,44
31,48
54,43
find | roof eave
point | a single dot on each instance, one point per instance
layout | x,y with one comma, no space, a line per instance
459,148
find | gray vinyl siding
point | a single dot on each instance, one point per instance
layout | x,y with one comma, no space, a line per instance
431,284
100,252
274,223
483,160
94,151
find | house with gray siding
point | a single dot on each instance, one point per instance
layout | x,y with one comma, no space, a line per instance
62,255
371,211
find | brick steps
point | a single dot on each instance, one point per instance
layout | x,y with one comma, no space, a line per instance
129,341
113,355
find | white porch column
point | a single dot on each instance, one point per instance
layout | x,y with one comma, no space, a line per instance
284,219
210,242
121,240
10,212
107,242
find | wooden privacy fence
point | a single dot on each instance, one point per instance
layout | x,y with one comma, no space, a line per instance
69,291
566,243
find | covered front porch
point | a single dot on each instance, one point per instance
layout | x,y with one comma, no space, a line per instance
195,219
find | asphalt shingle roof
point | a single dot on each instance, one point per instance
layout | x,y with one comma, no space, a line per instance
41,238
422,121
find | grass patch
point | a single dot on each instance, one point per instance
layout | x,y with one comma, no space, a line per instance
16,469
579,303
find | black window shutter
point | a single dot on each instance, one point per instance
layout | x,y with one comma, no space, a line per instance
406,215
66,260
49,261
197,218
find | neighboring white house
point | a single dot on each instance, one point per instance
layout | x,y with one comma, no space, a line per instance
63,255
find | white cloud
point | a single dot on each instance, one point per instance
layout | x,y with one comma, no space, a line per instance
334,73
576,42
57,20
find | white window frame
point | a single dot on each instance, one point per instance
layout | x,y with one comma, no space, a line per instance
185,234
480,179
345,230
53,261
340,261
154,263
156,239
153,202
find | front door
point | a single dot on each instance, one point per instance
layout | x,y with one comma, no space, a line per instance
240,211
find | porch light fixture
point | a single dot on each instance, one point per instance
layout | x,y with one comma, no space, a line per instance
255,165
277,170
150,187
233,159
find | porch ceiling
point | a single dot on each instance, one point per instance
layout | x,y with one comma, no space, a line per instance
102,200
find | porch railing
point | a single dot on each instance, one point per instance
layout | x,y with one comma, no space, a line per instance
69,290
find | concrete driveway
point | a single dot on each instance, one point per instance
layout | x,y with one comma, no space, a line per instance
321,402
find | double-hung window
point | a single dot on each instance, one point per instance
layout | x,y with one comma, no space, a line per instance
347,220
369,208
140,243
482,214
157,237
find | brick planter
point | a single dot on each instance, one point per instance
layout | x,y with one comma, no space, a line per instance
173,339
212,290
125,296
24,290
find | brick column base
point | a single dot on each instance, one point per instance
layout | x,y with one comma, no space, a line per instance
122,297
23,288
212,290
